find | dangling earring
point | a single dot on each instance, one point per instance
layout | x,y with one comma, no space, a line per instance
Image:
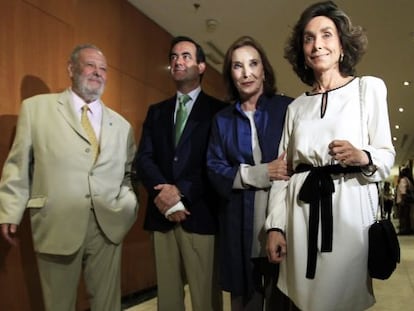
341,58
306,67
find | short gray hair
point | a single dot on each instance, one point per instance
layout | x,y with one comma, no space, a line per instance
74,56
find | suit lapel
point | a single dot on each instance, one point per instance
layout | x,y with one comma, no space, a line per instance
68,112
167,120
66,109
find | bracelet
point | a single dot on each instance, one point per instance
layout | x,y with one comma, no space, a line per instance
370,168
276,229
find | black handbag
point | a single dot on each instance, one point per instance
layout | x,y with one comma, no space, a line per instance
383,250
383,245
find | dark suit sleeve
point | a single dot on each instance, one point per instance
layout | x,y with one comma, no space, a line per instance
146,168
220,171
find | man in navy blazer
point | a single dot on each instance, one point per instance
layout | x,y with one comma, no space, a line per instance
181,202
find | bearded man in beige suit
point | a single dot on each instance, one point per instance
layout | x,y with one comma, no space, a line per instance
81,206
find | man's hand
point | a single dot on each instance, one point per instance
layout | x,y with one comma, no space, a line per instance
169,196
178,216
8,231
275,246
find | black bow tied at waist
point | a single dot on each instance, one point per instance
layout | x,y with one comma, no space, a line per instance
317,190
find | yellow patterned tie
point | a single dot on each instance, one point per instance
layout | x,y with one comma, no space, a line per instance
181,116
90,132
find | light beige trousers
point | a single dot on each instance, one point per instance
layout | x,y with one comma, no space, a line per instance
183,257
100,261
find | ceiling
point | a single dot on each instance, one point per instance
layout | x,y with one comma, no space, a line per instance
389,26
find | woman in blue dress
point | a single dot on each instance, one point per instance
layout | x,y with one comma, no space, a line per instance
243,160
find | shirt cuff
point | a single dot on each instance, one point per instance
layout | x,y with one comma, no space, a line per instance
177,207
256,176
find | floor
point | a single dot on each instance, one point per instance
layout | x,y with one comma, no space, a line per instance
394,294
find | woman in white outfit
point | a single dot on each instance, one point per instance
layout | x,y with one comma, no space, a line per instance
338,142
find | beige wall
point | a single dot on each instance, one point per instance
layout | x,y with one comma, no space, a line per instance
36,37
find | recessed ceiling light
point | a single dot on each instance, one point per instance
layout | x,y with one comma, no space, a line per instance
406,83
397,126
394,138
211,25
401,109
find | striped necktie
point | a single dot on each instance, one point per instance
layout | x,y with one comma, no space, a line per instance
181,116
90,132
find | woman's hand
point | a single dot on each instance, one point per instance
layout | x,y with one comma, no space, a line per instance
278,169
346,154
275,246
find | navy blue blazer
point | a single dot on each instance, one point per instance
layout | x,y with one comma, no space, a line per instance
230,145
158,161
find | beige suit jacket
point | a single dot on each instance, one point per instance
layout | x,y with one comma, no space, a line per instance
50,170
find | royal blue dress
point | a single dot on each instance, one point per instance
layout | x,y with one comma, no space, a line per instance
230,146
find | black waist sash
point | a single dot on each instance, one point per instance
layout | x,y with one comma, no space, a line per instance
317,190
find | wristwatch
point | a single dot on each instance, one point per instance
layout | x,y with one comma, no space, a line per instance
370,168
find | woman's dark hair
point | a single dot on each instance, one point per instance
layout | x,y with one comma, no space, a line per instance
353,40
269,83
